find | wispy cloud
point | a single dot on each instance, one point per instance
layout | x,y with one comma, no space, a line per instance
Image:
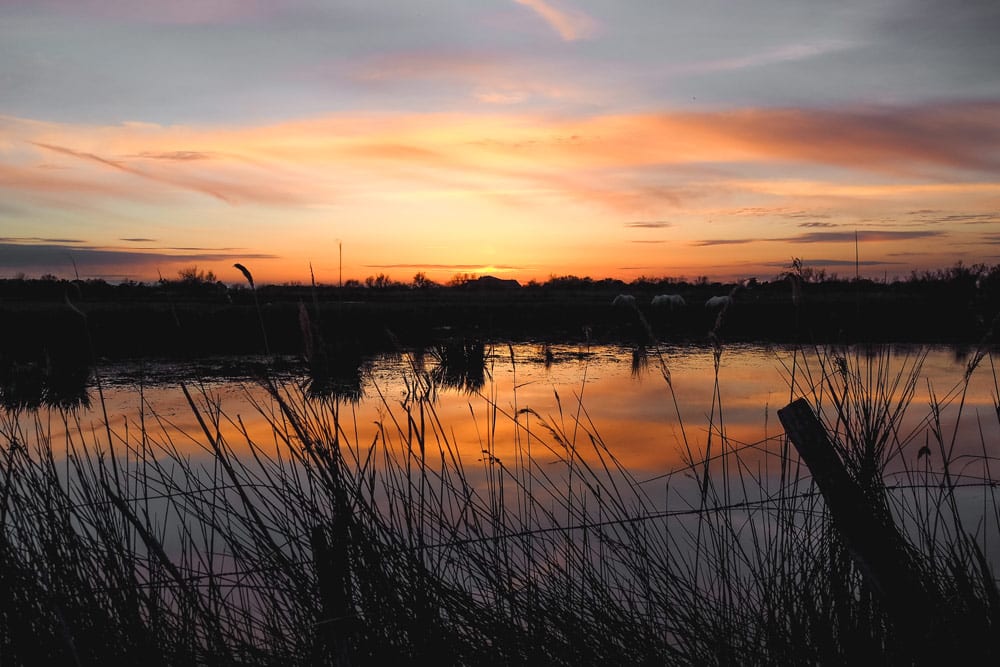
86,156
475,268
829,237
616,161
711,242
779,54
903,140
833,263
960,136
349,175
199,249
35,239
488,79
785,187
871,236
945,218
652,224
31,255
805,214
124,167
234,181
183,156
775,212
571,24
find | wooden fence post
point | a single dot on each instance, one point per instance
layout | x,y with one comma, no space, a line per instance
886,561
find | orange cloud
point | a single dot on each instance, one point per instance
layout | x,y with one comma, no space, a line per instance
962,136
614,162
900,141
571,183
524,147
226,181
804,188
121,166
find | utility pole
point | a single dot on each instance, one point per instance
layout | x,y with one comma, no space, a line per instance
340,249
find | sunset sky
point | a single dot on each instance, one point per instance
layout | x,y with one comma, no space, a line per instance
521,138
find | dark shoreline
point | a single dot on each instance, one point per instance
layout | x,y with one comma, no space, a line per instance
77,319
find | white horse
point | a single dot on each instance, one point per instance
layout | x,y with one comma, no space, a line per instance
719,302
626,300
669,301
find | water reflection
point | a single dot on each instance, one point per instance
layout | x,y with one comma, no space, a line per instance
532,419
548,357
338,372
492,409
52,382
620,395
461,365
640,360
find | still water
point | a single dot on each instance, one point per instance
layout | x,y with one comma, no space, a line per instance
648,409
655,414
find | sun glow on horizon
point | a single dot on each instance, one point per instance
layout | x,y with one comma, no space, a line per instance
502,141
522,196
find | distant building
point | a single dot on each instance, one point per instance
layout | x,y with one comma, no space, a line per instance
492,282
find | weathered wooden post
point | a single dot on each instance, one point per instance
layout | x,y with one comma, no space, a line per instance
874,541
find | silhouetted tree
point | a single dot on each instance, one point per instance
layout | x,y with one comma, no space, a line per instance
421,281
381,281
460,279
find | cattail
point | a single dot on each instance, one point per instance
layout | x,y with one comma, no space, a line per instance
246,273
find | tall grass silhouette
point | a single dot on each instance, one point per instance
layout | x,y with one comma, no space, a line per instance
308,546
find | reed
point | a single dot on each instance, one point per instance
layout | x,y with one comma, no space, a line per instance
315,548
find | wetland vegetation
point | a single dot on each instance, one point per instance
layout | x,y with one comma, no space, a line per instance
303,544
196,314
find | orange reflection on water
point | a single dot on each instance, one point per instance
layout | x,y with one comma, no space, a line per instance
587,402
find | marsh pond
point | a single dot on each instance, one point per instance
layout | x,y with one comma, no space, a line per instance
489,479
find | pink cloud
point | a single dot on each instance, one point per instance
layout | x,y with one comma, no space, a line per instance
570,24
773,56
226,186
626,163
